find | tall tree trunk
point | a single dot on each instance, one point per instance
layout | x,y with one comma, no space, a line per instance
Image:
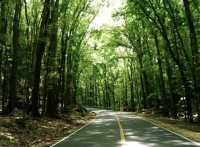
40,47
3,31
5,81
63,68
69,81
162,83
143,81
174,101
15,56
27,84
131,82
52,79
125,93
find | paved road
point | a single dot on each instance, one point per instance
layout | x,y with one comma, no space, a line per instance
120,129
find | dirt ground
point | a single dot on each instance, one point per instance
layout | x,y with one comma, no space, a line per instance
41,132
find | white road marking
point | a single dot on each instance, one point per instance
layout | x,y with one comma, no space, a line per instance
67,137
193,142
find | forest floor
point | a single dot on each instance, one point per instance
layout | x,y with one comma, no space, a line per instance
41,132
182,127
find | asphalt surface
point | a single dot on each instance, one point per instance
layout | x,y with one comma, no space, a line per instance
120,129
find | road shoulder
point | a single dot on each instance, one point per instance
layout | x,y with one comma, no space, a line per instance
189,131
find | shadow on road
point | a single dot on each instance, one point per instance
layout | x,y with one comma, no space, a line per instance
103,133
140,133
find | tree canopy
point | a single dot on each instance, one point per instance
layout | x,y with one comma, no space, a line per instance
52,56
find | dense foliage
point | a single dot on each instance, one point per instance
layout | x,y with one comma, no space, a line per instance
41,43
151,61
51,57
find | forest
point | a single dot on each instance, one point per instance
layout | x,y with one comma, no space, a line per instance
61,56
52,57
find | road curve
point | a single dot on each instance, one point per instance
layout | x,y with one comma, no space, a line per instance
120,129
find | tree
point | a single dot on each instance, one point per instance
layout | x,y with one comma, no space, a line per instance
195,52
51,61
40,48
15,56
